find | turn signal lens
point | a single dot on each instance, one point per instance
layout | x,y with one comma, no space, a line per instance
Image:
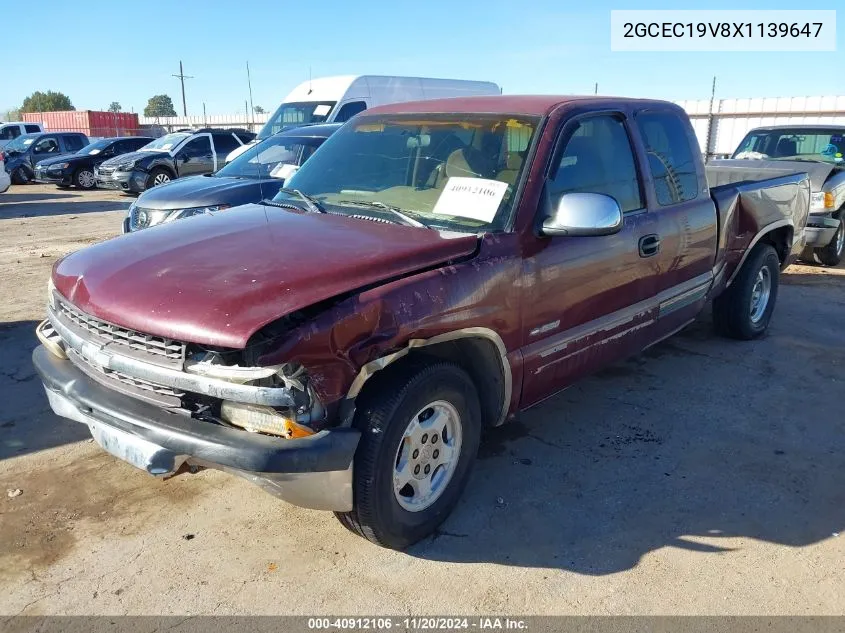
828,200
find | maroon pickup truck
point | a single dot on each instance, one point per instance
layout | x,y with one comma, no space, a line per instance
432,270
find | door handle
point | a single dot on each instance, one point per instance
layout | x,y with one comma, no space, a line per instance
649,245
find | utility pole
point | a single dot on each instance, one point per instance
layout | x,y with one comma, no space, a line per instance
204,118
596,91
251,108
710,120
182,77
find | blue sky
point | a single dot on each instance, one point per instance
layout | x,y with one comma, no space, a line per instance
127,51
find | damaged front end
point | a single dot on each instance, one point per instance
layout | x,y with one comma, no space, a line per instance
205,383
159,403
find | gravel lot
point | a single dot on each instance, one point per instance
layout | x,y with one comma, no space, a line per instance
704,476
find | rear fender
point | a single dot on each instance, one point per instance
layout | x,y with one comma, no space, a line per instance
774,210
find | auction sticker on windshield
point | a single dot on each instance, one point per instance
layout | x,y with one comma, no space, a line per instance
475,198
283,171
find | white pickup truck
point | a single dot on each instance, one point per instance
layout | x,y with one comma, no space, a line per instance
12,130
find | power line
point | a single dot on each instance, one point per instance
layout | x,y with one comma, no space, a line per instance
182,77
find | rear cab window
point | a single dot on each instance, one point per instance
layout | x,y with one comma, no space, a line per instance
671,157
32,129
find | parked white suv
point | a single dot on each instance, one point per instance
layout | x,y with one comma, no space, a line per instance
12,130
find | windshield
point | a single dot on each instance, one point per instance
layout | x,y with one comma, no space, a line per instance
20,144
165,143
796,143
266,160
96,147
449,171
294,114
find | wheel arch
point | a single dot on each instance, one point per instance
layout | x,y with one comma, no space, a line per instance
479,351
165,167
779,235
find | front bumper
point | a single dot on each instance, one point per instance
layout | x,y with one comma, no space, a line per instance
134,181
312,472
55,177
820,230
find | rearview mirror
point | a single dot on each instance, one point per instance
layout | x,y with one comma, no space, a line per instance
582,214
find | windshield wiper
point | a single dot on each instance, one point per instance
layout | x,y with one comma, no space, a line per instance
406,219
312,203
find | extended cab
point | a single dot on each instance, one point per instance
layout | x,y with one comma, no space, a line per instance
433,268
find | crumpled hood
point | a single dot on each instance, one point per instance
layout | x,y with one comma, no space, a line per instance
216,279
198,191
125,158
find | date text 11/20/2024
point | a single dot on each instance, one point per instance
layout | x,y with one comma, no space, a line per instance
491,623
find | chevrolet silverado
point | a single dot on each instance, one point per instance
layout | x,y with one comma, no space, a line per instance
434,268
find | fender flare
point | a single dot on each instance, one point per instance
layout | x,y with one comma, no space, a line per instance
368,370
760,235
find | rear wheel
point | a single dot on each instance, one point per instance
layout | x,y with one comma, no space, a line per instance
744,310
84,179
420,435
158,177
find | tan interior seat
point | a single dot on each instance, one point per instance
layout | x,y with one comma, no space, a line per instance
511,170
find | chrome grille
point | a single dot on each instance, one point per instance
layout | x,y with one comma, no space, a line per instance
107,333
105,169
126,379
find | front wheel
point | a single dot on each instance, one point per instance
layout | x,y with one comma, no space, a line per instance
744,310
84,179
831,254
419,437
20,176
158,177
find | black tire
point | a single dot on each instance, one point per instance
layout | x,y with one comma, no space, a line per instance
157,174
84,179
62,186
732,310
383,418
831,254
20,176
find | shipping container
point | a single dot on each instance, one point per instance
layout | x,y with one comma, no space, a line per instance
92,123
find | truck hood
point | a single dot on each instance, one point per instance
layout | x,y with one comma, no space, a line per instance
200,191
216,279
819,171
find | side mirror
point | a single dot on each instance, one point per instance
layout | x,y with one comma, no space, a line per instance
582,214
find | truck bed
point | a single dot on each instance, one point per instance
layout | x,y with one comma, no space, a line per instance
751,199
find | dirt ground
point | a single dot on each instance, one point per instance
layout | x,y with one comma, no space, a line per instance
703,477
